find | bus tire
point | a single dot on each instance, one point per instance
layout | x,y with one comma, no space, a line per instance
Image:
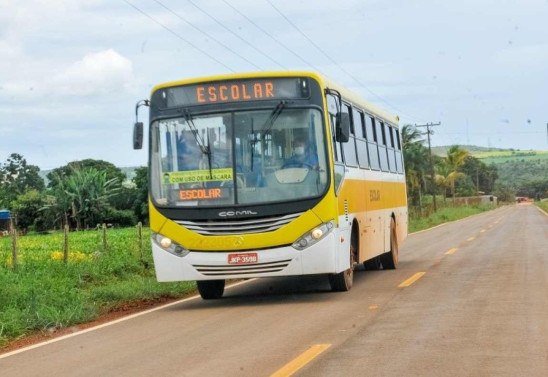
373,264
389,260
211,289
342,281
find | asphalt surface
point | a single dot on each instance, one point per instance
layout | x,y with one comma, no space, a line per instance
478,308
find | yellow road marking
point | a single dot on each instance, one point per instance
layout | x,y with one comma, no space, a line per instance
373,307
411,280
451,251
307,356
471,239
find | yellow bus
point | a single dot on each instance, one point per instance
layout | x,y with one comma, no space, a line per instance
271,174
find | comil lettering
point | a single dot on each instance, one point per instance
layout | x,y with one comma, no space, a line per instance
249,91
236,213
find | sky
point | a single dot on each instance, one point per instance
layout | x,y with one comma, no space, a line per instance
72,71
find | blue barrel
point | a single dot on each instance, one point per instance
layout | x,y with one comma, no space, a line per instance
4,214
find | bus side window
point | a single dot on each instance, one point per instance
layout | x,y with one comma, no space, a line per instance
399,156
332,106
349,148
383,156
391,148
372,142
361,142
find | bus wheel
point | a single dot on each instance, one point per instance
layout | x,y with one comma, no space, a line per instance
389,259
211,289
373,264
342,281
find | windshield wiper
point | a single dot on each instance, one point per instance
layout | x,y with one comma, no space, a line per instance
205,149
272,118
269,123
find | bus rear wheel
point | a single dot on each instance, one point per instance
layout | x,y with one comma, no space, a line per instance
389,259
342,281
373,264
211,289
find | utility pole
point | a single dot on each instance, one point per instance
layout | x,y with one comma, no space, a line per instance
428,132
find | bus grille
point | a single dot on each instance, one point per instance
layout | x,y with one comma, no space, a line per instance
244,226
247,269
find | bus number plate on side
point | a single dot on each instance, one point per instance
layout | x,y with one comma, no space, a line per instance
243,258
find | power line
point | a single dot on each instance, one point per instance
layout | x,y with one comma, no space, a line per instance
337,64
206,34
178,35
237,36
272,37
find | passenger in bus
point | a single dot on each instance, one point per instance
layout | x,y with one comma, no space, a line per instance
303,156
188,152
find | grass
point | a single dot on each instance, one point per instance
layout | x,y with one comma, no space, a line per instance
446,214
44,293
543,204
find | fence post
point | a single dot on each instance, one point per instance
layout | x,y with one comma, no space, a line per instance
13,232
104,237
65,243
140,235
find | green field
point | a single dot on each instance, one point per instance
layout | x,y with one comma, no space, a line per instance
43,293
499,157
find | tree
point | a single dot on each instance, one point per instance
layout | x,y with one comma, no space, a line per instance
83,196
443,172
482,176
27,210
111,171
16,178
416,157
454,160
140,204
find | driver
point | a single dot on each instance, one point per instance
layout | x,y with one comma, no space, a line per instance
302,155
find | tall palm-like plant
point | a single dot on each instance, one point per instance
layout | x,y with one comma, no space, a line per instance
416,162
84,195
456,157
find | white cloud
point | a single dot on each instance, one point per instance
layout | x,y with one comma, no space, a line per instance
99,73
96,73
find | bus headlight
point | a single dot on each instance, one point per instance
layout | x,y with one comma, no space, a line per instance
314,236
169,245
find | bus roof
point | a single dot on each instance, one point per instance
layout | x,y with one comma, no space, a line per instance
325,82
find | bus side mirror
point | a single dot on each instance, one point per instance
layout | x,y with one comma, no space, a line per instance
342,127
138,135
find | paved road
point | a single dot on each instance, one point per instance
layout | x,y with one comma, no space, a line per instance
479,309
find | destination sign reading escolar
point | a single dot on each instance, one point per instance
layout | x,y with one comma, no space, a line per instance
196,176
230,91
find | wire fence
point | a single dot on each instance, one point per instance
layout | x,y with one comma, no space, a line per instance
71,246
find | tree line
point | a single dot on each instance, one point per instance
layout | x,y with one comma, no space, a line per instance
456,174
85,193
80,194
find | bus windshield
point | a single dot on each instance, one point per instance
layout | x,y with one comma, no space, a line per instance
238,158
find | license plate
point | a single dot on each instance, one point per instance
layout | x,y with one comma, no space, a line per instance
243,258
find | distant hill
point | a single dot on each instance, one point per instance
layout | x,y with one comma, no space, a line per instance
473,149
517,169
493,154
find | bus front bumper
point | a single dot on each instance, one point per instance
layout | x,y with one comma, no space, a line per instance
282,261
